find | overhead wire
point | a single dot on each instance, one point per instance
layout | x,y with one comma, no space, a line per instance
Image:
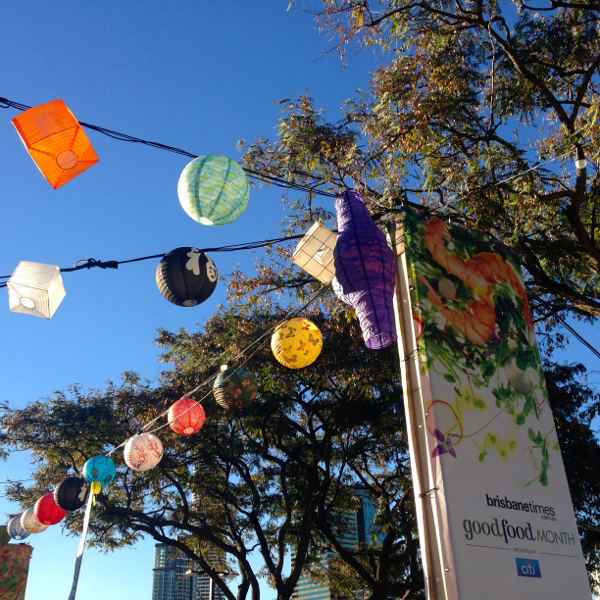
124,137
89,263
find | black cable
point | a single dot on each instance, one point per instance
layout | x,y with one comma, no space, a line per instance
568,327
88,263
124,137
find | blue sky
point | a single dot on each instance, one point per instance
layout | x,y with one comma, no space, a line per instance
197,75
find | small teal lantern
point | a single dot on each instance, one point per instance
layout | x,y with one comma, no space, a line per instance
99,472
213,190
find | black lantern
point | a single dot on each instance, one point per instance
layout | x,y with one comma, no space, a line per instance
186,276
71,493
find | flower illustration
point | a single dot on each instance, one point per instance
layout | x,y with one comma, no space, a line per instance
445,445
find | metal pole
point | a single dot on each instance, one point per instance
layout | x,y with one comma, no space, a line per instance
415,422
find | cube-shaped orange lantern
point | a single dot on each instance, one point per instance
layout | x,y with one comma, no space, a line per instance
56,142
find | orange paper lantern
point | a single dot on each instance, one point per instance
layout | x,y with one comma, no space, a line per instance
56,142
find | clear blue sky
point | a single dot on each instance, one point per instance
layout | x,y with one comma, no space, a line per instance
197,75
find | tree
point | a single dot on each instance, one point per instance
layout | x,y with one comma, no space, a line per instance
270,478
469,101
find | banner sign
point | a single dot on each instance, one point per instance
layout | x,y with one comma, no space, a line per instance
504,519
14,566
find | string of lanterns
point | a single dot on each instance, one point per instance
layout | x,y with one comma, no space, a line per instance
213,190
297,342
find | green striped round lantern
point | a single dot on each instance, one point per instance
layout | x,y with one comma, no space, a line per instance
235,388
213,190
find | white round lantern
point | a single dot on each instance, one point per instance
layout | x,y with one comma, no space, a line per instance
30,523
143,452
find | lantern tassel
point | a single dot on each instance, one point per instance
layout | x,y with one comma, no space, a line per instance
95,489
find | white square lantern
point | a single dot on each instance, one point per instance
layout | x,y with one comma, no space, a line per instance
35,289
314,253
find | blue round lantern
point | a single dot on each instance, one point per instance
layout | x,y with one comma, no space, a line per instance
213,190
16,530
100,469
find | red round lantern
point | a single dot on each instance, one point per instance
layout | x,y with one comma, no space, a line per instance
186,416
46,511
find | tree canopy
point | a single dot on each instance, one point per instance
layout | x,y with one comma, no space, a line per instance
478,110
468,102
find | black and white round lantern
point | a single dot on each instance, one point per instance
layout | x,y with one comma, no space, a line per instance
186,276
71,493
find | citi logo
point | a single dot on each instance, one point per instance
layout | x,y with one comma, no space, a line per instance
527,567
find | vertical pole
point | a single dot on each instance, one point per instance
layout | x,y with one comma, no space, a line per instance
415,423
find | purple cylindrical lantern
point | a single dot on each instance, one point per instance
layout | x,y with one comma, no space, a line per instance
364,267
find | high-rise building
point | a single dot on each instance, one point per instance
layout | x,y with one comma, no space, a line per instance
351,528
170,581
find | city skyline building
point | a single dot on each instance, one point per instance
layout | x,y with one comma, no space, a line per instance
171,582
352,529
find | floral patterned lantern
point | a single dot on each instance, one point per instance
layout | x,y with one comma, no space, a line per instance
55,141
186,416
235,388
30,523
47,511
186,276
15,529
143,452
71,493
364,267
213,190
296,343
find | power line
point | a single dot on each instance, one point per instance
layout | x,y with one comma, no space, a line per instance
89,263
124,137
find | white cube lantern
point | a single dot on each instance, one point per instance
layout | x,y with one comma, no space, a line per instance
35,289
314,253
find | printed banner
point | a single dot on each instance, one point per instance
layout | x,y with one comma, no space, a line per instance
504,517
14,566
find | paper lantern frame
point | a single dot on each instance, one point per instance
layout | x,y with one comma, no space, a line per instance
314,253
55,141
101,469
143,452
213,190
47,511
235,388
30,523
296,343
186,416
71,493
15,529
364,267
35,289
186,277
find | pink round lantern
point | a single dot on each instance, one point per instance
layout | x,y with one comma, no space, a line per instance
143,452
186,416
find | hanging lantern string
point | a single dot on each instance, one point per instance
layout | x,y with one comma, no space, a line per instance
123,137
89,263
265,177
259,342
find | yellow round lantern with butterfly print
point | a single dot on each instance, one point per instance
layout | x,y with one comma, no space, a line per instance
297,343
